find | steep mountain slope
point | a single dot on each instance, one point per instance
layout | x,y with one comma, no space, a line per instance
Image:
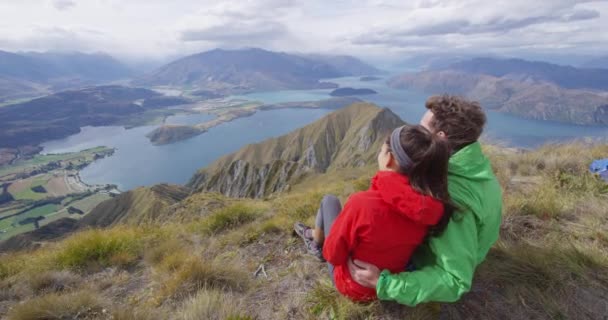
527,98
138,206
563,76
349,137
227,71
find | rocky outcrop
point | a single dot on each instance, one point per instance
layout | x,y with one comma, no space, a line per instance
601,115
349,137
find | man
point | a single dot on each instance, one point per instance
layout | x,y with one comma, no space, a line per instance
443,267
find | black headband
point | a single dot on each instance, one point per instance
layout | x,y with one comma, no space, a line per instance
404,160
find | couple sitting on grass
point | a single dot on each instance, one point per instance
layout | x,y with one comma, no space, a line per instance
431,214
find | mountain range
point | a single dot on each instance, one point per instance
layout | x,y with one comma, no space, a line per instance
529,89
564,76
230,71
600,62
33,73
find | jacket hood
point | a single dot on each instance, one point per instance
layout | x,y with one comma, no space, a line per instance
470,163
395,190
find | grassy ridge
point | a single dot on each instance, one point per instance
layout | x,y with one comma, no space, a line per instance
551,261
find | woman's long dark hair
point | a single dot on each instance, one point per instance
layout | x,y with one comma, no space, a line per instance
428,173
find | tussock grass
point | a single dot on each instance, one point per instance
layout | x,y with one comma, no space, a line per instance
53,281
545,282
120,247
212,305
160,251
550,182
227,218
84,251
194,274
78,305
326,302
550,266
130,313
12,264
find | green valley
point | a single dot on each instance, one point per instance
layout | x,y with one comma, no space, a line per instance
45,188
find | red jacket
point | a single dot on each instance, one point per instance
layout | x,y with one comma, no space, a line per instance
383,226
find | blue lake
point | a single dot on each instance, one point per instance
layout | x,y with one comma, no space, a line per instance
137,162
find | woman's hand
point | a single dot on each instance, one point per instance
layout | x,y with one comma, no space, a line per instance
365,274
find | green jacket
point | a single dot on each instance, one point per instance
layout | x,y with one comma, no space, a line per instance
445,264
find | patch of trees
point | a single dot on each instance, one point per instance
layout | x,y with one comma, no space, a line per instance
74,210
39,189
5,196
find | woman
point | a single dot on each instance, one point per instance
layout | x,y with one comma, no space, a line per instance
407,199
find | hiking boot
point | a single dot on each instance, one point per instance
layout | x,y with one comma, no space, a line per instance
302,230
305,232
312,248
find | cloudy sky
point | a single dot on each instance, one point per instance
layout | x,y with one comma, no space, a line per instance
155,29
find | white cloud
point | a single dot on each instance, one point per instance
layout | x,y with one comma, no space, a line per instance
63,4
157,28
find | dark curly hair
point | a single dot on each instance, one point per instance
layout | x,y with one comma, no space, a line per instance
461,120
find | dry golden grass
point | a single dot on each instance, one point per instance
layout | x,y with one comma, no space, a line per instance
194,274
53,281
212,305
78,305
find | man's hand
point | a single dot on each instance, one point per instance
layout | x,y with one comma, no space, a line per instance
364,273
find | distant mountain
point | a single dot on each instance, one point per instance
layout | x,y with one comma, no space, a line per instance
563,76
346,65
527,98
349,137
345,92
61,114
229,71
31,73
96,66
598,63
52,66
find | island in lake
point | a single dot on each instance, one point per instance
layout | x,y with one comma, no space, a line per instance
369,78
345,92
229,110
